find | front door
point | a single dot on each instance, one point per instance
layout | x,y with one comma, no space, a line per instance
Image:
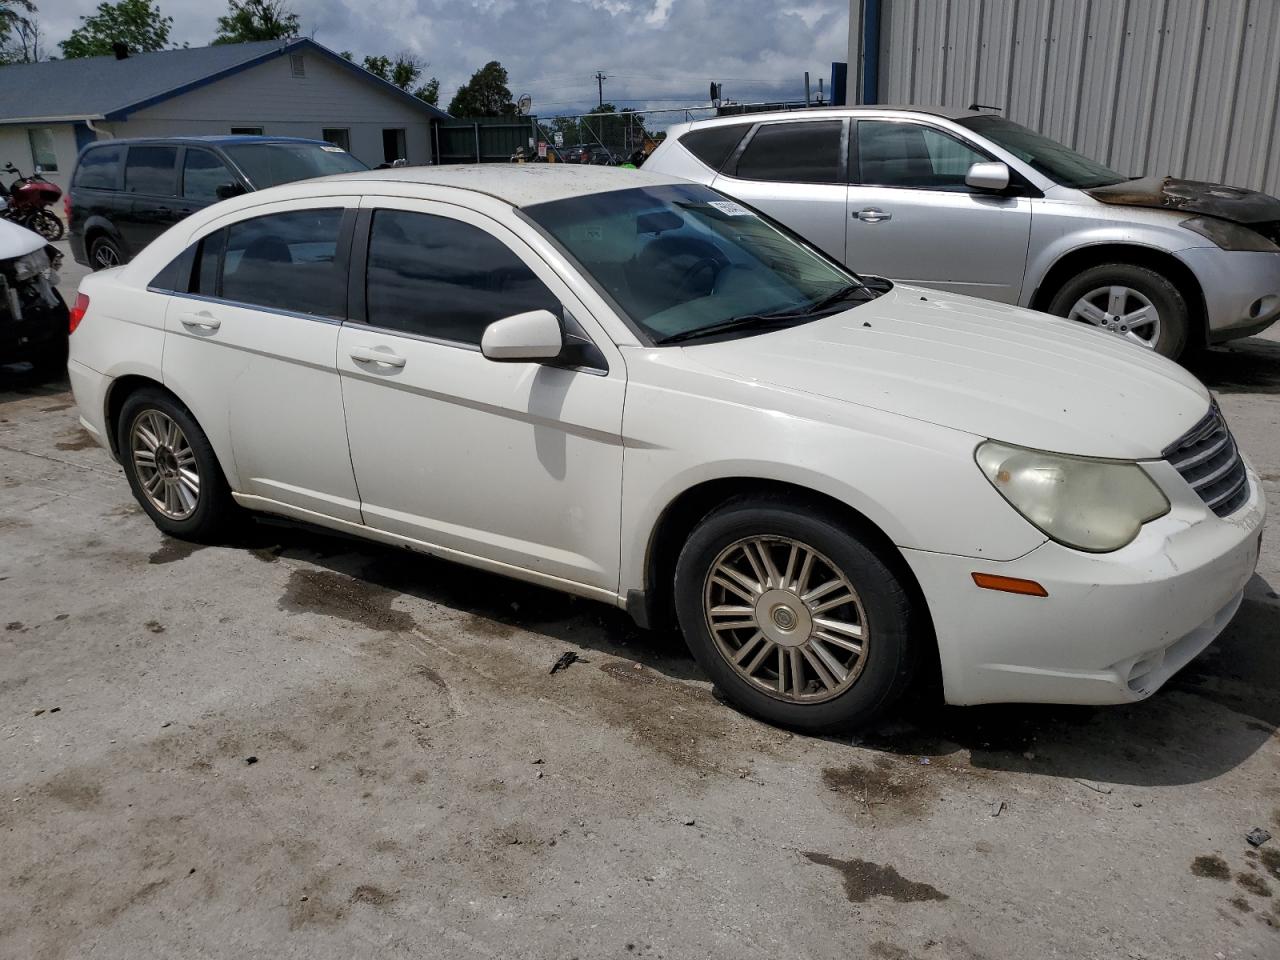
912,218
253,340
502,464
794,171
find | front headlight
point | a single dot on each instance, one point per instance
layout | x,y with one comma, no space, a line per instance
1093,505
1230,236
31,265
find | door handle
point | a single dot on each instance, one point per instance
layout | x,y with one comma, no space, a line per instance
384,357
200,321
873,215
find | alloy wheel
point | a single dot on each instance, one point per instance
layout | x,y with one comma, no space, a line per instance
105,255
1121,310
165,464
786,619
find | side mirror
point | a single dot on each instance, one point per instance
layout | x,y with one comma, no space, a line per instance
226,191
524,338
988,176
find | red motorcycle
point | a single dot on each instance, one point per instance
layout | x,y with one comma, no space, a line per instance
26,200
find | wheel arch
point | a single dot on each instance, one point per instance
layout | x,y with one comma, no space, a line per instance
99,226
123,387
1082,258
654,606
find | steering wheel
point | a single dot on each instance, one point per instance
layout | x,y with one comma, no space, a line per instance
684,286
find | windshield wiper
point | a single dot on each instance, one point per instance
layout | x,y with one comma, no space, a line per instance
755,321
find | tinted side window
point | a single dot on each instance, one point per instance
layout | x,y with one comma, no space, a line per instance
208,262
176,277
713,145
99,169
287,261
441,278
807,152
893,154
151,171
202,174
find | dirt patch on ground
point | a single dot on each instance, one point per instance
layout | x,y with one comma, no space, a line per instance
1212,867
1254,884
331,594
368,893
80,440
864,880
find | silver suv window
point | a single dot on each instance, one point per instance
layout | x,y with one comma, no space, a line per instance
794,152
893,153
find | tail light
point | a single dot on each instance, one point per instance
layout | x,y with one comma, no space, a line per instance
78,310
66,207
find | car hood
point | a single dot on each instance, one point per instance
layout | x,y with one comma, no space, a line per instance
985,368
1192,197
16,241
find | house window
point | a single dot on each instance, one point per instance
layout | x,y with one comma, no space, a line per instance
393,145
297,65
338,136
42,152
246,131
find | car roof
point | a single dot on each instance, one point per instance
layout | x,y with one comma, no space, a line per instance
519,184
215,139
948,113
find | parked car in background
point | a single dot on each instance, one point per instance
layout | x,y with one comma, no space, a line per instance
591,153
125,193
33,316
972,203
827,483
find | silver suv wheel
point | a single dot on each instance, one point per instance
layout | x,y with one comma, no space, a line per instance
1121,310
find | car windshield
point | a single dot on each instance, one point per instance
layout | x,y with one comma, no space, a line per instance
1057,162
682,261
267,164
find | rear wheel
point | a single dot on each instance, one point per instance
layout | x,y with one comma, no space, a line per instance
172,469
794,617
103,253
1130,301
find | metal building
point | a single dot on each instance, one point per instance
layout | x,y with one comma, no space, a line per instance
1181,87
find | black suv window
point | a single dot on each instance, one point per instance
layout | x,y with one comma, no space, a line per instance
287,261
202,174
713,145
896,154
445,279
804,152
151,171
99,169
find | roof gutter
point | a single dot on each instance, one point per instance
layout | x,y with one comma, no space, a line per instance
73,118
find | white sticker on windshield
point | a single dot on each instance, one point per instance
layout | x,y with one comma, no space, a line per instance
327,148
729,208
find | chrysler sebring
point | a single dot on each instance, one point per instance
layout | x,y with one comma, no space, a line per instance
631,388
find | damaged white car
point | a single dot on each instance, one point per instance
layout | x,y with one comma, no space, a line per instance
33,316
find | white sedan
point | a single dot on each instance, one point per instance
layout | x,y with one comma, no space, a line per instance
631,388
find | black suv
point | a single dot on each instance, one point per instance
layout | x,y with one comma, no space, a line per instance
125,193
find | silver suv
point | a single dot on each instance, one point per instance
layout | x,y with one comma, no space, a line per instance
973,203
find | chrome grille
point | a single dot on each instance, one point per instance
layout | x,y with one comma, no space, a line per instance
1207,458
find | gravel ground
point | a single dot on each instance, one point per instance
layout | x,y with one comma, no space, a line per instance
307,746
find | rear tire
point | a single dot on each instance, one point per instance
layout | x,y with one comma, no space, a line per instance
809,676
1087,297
103,253
46,224
173,472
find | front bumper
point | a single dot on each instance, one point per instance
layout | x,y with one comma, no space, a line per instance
1114,626
1241,290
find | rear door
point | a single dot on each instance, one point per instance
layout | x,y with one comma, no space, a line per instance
250,348
151,191
911,216
794,170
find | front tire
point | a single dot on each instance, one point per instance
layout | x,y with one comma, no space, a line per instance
794,617
1131,301
172,469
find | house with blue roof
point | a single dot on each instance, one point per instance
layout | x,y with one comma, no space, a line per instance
297,88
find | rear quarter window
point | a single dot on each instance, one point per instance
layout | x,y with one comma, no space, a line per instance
99,169
714,145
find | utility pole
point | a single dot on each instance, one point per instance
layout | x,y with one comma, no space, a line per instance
600,79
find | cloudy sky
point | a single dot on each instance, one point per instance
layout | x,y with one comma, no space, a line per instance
657,53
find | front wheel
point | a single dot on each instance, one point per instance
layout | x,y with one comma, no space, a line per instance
46,224
1130,301
172,469
794,617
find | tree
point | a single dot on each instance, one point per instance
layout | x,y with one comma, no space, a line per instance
249,20
485,94
135,23
19,33
404,71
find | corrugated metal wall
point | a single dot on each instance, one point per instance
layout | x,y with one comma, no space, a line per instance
1183,87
